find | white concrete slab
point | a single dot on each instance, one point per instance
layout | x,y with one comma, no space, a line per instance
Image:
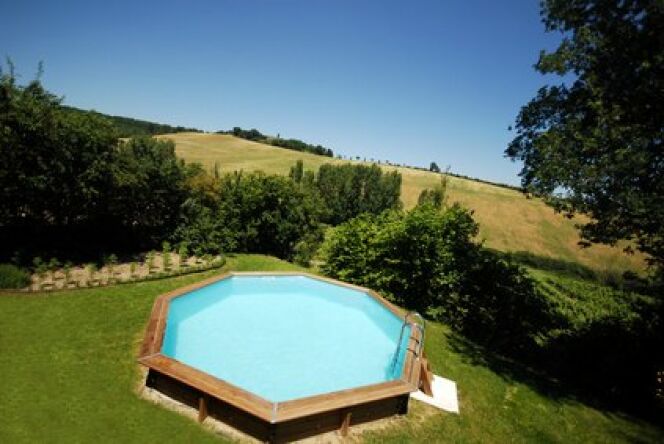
444,395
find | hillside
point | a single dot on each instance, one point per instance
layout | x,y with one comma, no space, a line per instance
509,221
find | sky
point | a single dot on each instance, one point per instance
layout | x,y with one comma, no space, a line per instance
406,81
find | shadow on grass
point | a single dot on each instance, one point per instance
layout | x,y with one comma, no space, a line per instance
562,390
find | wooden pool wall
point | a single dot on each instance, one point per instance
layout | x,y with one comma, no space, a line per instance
284,421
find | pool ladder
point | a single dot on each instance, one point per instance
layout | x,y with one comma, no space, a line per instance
414,320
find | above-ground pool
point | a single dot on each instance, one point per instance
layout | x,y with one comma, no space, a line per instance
283,356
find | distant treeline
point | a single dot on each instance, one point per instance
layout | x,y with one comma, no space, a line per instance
291,144
460,176
128,127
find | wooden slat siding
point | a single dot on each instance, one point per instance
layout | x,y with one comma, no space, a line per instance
151,331
241,420
209,384
329,421
346,398
160,328
218,409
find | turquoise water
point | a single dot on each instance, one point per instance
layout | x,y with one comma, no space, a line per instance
284,337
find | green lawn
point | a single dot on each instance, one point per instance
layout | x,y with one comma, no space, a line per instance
68,374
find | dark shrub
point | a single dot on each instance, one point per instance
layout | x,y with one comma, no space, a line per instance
606,341
13,277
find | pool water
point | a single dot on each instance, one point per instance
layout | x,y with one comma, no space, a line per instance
285,337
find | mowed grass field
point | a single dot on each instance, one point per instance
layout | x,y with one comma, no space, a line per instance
69,374
508,220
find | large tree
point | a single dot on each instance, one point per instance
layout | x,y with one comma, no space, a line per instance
594,144
55,165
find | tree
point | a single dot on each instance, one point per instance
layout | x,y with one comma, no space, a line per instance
595,146
150,184
297,172
55,166
436,196
253,212
67,184
434,167
349,190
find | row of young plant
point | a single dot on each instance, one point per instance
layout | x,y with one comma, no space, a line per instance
52,274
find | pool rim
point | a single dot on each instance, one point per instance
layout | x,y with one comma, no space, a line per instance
273,412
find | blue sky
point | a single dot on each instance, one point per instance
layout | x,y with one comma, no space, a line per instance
408,81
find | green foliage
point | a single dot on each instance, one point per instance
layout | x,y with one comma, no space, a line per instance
92,272
150,183
599,139
298,145
349,190
410,256
248,212
53,265
66,270
436,197
624,281
203,228
55,167
68,183
111,262
307,248
149,261
434,167
426,260
128,127
183,253
267,214
291,144
12,276
605,341
297,172
40,267
166,261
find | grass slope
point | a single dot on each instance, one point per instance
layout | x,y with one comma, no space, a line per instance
508,220
69,374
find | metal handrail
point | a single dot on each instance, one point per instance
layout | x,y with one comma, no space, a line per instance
420,324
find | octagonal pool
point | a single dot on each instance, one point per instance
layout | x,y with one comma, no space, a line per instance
285,337
284,356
